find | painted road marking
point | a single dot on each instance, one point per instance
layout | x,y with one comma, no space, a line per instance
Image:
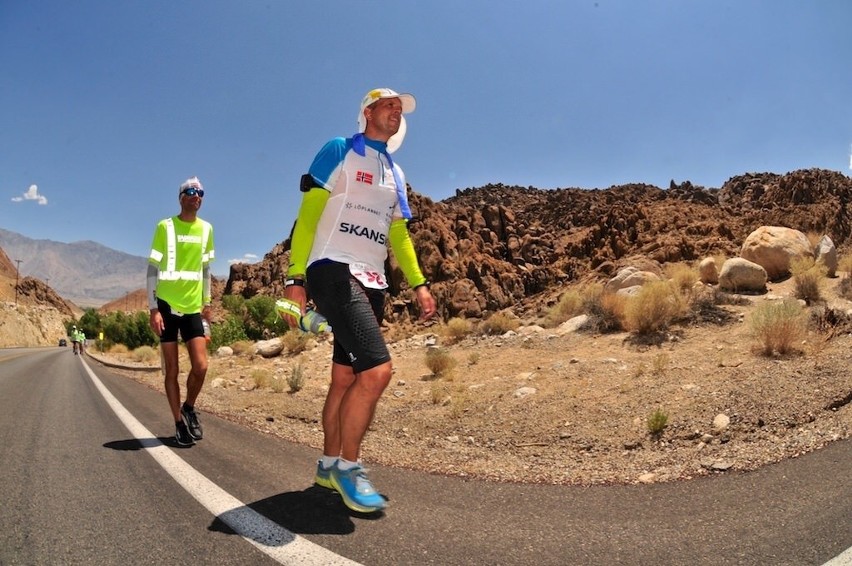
268,536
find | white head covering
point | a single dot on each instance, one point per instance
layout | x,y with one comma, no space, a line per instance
192,182
408,105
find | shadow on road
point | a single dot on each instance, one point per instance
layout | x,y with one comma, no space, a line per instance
139,444
315,510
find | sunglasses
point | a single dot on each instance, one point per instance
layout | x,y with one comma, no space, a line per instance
192,191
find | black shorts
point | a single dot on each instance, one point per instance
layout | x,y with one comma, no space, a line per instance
189,325
354,313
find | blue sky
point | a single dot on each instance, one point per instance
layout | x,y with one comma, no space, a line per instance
107,106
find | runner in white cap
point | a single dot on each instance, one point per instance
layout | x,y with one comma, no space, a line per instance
354,204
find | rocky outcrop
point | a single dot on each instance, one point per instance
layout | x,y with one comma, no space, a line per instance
498,246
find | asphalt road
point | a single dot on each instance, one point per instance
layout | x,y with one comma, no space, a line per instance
89,474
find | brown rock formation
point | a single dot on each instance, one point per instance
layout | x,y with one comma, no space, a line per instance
495,247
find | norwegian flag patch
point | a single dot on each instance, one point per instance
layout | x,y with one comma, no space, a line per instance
364,177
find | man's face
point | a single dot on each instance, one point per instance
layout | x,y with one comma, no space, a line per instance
383,118
190,199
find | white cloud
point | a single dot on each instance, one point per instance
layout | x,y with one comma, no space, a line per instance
247,258
31,194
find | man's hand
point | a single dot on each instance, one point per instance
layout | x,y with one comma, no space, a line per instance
156,321
296,295
426,301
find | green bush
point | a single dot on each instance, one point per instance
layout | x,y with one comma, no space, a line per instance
227,332
261,318
234,304
657,422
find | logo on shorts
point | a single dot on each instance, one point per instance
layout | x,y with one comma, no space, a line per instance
364,177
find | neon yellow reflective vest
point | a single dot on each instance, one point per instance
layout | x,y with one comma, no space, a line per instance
180,250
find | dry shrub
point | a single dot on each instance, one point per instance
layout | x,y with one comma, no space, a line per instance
605,310
243,348
813,238
777,326
808,276
146,355
295,341
439,393
499,323
458,328
296,379
261,378
439,361
682,276
844,264
660,364
570,304
654,308
118,349
844,287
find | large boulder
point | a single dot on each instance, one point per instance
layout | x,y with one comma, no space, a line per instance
629,277
708,272
826,254
774,247
741,275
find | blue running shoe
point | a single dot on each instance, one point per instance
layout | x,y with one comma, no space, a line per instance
323,476
356,490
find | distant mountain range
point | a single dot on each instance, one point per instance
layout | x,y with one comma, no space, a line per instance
85,273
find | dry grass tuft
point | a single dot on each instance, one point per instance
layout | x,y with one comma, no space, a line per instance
808,276
439,361
654,308
777,326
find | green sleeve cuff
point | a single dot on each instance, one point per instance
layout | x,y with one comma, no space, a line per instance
313,203
403,251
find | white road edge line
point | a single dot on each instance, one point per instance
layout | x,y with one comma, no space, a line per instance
844,559
268,536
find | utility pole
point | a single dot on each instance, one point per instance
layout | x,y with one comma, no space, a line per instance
17,270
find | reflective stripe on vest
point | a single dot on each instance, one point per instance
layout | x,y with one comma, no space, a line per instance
169,274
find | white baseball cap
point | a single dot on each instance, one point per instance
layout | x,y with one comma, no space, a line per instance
408,106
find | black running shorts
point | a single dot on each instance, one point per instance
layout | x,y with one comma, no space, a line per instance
354,313
189,325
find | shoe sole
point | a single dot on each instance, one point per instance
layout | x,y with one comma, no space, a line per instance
179,443
352,504
324,482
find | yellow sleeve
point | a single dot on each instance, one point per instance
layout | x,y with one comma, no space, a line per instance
313,203
403,250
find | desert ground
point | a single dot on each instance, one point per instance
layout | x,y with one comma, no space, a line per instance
541,406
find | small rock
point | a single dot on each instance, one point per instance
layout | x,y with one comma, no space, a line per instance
721,421
524,391
647,478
